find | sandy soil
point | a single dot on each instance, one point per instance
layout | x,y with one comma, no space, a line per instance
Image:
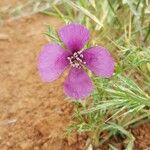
34,115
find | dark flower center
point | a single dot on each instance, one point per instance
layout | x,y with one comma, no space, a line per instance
76,60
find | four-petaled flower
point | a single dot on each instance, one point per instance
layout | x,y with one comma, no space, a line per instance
53,60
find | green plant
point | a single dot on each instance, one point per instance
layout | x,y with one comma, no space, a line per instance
122,102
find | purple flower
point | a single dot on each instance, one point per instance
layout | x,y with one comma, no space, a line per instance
53,60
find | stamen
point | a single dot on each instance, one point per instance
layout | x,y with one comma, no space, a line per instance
81,55
79,52
76,60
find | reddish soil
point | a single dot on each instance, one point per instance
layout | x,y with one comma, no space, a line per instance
34,115
142,135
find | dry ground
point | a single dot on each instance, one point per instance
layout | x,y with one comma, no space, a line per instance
34,115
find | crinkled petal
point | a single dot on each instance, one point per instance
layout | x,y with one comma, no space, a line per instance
78,84
99,60
74,36
52,62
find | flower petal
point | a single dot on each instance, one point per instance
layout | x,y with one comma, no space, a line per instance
78,84
74,36
52,62
99,60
